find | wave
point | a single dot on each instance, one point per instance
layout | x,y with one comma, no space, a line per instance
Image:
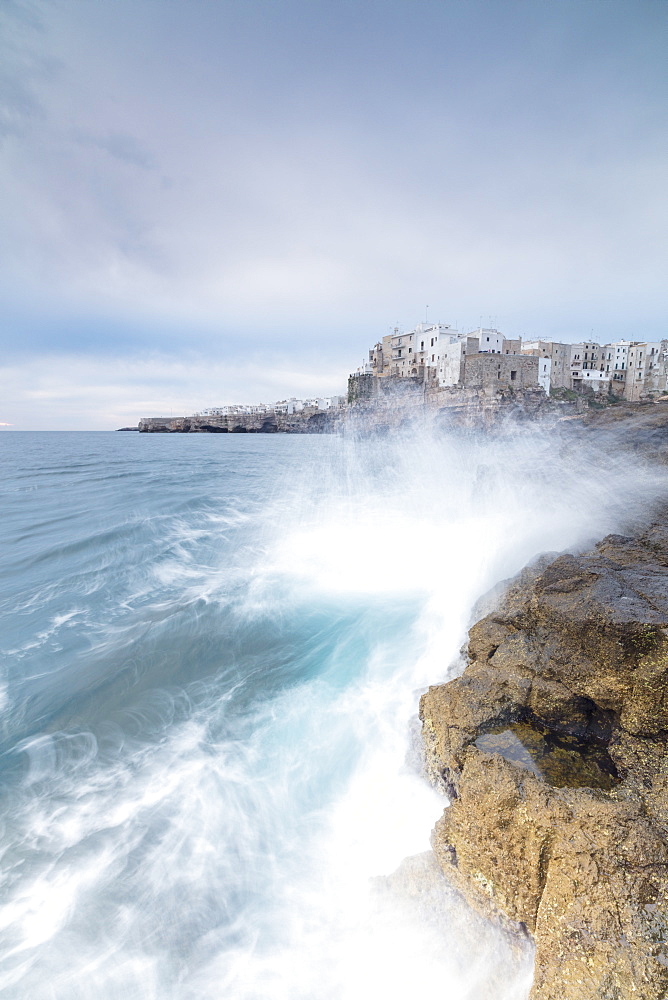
211,758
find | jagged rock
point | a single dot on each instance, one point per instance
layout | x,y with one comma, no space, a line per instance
552,745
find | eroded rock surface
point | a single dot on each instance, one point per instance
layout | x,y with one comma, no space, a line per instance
552,745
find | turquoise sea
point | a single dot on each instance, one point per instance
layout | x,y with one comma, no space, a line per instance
213,648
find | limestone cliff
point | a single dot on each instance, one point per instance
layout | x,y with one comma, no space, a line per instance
552,745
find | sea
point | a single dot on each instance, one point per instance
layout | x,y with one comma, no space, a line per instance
213,649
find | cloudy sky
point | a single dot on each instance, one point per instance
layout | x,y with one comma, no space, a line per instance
210,201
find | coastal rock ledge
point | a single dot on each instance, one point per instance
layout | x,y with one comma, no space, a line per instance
552,747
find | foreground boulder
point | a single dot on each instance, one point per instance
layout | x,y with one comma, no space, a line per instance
552,747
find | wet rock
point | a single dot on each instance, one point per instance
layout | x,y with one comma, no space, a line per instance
552,745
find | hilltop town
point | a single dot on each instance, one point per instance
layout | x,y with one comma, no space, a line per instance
435,368
437,353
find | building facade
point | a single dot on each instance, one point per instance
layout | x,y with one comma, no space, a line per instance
492,372
558,353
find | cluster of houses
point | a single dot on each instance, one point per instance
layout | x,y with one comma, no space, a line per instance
437,354
440,357
283,406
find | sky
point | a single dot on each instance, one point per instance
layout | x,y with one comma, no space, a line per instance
224,201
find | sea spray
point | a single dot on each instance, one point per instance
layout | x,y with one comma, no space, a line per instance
213,656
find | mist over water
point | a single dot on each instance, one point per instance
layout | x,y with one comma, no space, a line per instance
212,652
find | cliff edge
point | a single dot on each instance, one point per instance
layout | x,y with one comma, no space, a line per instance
552,746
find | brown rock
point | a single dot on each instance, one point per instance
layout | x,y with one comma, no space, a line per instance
552,745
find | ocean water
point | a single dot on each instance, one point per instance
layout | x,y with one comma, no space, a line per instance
213,648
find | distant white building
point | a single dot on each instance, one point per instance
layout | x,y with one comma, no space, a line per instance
289,406
236,410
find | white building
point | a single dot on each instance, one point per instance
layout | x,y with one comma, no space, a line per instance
597,380
237,410
430,341
451,360
491,341
615,359
544,372
420,348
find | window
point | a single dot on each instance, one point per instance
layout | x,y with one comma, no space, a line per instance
410,350
513,376
432,341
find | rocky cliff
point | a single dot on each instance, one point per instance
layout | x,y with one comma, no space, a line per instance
308,421
552,746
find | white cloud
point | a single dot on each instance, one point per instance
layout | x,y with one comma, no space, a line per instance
82,393
233,170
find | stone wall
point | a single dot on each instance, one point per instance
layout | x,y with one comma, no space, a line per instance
387,389
492,372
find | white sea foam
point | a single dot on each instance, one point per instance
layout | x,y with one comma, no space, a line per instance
215,833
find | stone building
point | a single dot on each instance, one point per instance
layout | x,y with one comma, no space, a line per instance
584,357
492,372
636,369
403,361
415,354
644,370
560,356
380,357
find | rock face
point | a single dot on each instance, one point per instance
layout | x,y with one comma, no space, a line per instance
552,746
307,421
